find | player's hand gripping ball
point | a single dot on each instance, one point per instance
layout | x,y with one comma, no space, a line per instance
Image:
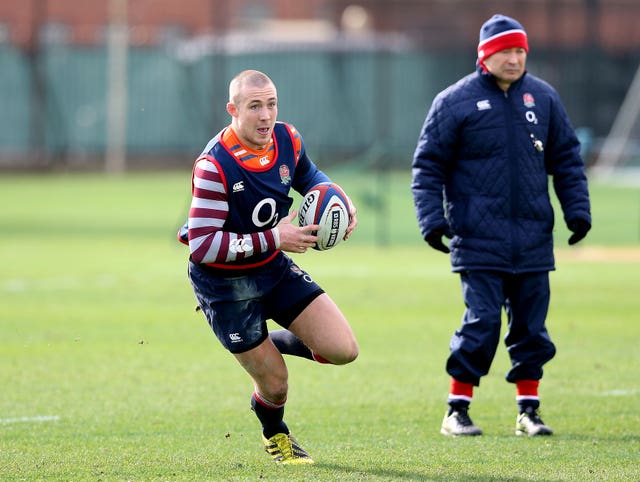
326,204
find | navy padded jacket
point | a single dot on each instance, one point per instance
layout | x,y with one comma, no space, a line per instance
478,174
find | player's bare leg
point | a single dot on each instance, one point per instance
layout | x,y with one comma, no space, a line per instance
326,331
266,367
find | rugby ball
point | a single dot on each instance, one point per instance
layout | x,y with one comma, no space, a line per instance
326,204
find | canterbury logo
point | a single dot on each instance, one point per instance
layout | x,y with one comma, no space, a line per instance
238,186
241,245
235,338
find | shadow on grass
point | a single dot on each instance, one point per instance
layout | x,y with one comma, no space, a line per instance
391,474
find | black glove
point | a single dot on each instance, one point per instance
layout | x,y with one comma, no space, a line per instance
434,239
579,228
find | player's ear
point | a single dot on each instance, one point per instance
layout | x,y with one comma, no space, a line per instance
232,109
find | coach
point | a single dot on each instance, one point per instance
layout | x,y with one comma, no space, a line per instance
480,177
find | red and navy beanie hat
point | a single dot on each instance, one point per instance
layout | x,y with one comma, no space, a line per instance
499,33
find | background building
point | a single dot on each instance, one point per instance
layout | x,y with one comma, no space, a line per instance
145,80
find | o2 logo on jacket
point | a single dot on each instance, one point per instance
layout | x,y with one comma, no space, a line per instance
531,117
529,102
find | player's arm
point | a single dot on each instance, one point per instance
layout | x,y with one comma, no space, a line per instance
294,238
308,175
208,242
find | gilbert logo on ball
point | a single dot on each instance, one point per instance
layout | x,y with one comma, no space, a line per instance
327,205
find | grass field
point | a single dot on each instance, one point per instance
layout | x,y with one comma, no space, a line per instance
107,373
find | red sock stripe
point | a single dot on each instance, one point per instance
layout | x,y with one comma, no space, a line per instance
527,388
460,389
266,403
319,359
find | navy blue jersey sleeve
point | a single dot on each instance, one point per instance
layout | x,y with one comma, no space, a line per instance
307,173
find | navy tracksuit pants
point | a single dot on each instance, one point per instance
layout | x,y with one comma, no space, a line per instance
525,299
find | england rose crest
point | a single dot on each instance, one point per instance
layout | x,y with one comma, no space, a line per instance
285,175
528,100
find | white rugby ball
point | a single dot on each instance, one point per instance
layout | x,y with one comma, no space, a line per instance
326,204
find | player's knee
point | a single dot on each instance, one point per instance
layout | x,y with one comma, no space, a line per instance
348,354
353,353
276,393
274,387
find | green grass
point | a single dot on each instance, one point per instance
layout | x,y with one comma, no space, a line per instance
97,330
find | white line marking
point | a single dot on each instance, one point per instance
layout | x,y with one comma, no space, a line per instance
39,418
621,392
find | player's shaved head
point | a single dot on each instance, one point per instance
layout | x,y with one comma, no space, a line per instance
253,107
247,78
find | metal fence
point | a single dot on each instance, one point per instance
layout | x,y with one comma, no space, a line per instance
363,105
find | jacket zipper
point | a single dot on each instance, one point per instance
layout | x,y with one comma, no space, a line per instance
513,178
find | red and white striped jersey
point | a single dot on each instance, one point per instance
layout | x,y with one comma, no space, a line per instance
239,196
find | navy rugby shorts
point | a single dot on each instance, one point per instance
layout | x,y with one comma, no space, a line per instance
237,307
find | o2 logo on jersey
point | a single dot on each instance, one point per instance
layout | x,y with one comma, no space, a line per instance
265,213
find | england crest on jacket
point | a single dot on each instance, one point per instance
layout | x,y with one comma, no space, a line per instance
528,100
